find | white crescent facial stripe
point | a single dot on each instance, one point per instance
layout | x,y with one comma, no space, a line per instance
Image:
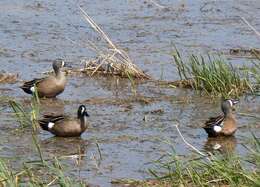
82,110
217,128
230,102
50,125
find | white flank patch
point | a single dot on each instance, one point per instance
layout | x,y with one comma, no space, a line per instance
62,64
217,128
32,89
230,102
216,146
50,125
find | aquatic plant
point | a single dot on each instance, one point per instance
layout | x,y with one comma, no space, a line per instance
255,71
21,115
27,116
213,75
133,85
36,173
216,169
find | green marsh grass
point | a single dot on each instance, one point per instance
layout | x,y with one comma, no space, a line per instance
39,172
213,75
22,116
27,116
255,71
216,169
36,174
133,85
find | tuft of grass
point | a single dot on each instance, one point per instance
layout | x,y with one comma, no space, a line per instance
213,75
133,85
49,174
22,116
27,116
255,72
215,170
41,172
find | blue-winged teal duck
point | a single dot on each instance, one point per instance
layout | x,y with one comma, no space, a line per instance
50,86
224,124
60,125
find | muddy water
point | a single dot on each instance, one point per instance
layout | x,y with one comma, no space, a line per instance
32,33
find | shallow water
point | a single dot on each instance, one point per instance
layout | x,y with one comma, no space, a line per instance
33,33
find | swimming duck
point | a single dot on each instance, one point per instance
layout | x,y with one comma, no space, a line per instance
224,124
50,86
62,126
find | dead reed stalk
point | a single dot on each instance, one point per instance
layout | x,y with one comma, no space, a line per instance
110,60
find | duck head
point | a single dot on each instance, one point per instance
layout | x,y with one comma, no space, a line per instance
57,65
228,105
82,111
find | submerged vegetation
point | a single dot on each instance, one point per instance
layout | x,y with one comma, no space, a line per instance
215,76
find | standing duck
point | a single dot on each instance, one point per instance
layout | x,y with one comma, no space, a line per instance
225,124
50,86
62,126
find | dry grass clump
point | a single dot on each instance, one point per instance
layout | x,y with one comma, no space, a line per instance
110,59
8,77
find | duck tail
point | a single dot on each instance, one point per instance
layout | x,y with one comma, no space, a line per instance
49,121
26,89
43,124
210,131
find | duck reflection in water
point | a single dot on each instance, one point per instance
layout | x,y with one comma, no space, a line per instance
65,148
225,145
